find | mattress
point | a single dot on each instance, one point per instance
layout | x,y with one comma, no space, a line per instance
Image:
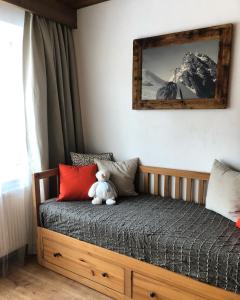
180,236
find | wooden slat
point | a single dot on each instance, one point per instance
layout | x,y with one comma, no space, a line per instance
51,9
146,182
156,184
58,185
177,188
170,181
166,186
189,190
174,172
200,191
205,183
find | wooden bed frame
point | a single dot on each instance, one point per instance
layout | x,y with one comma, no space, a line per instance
120,276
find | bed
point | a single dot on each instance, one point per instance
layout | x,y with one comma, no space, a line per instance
145,247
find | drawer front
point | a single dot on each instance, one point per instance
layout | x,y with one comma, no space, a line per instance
145,288
84,264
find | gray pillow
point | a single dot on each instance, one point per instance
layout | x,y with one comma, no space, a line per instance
82,159
122,174
223,195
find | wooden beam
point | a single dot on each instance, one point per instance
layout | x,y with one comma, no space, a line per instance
51,9
84,3
81,3
174,172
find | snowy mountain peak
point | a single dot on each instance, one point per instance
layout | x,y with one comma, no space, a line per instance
198,73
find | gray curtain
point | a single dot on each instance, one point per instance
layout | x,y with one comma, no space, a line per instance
53,115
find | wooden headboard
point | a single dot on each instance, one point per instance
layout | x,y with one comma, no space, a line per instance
177,184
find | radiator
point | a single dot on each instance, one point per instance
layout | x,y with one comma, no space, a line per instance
14,216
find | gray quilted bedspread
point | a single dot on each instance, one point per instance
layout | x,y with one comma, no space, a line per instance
180,236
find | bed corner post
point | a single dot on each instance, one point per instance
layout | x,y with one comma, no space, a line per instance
36,177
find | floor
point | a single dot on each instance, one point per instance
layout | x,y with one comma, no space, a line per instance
37,283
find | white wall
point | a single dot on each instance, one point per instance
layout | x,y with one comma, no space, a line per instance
188,139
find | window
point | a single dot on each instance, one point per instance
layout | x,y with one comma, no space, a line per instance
12,124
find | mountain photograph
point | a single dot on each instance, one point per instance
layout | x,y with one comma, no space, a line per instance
182,71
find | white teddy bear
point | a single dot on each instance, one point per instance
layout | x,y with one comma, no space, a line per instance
103,189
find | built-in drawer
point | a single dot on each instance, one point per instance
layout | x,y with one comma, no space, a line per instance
145,288
85,264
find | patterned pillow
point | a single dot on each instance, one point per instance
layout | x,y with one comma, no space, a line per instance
82,159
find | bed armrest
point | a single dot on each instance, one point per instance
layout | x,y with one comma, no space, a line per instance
36,188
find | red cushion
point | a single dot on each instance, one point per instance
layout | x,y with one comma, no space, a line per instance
75,182
238,223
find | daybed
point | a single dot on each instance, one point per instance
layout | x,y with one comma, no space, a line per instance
146,247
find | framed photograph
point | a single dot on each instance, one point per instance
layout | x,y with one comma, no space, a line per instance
187,69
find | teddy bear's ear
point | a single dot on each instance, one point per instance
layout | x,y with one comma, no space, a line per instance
98,174
107,173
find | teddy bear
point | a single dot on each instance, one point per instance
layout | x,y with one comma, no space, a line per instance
103,189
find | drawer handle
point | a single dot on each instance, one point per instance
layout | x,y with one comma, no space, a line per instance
57,254
104,274
152,295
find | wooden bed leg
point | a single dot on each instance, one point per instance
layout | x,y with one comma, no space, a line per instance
39,247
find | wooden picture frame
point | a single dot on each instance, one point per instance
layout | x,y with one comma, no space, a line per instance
198,83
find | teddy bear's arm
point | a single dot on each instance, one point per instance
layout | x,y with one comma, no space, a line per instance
92,191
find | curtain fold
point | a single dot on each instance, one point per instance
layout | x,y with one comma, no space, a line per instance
51,91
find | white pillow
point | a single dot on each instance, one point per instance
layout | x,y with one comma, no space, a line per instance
223,195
